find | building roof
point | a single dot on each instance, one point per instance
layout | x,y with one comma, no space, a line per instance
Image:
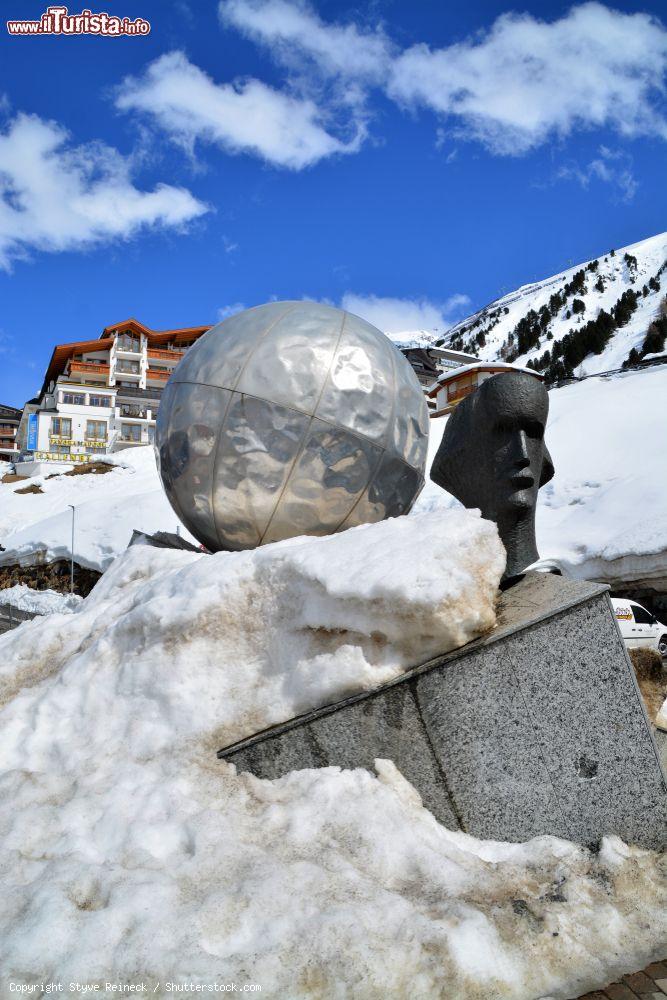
480,366
447,352
153,336
11,412
62,353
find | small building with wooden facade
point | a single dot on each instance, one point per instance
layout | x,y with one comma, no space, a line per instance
453,386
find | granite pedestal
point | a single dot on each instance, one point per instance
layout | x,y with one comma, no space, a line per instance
536,728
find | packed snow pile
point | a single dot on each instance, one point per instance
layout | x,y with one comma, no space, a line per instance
37,527
605,279
604,514
661,717
41,602
130,854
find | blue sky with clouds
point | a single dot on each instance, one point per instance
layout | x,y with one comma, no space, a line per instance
407,160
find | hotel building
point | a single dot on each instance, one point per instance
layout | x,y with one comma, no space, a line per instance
102,395
9,422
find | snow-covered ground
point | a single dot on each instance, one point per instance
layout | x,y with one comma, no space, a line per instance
36,527
604,514
41,602
130,854
617,278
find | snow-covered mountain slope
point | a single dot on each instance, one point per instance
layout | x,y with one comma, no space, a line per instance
604,514
414,338
547,311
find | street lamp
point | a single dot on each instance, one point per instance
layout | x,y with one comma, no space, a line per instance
71,577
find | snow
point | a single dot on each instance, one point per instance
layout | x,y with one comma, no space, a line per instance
414,338
604,514
130,854
618,277
476,366
37,527
661,717
41,602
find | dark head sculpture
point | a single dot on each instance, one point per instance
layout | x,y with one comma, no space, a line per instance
493,456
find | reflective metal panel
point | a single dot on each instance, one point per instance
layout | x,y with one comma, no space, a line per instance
359,392
290,364
218,358
333,468
290,418
410,423
393,490
257,449
197,413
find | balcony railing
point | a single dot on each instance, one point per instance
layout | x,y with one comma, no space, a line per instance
155,373
128,367
86,366
137,412
128,346
154,352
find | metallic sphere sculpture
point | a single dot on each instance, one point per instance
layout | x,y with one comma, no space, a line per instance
287,419
493,456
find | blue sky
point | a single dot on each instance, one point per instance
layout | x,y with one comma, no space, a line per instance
408,160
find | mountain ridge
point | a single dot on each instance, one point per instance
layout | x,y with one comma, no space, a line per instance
589,317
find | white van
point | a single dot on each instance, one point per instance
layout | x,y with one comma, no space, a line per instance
640,630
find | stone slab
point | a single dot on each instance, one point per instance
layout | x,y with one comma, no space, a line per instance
536,728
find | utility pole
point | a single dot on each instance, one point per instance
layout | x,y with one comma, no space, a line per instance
71,577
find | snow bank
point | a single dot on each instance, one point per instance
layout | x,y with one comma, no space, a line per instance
37,527
131,854
661,717
42,602
604,514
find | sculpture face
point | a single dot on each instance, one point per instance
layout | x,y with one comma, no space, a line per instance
493,456
513,418
291,418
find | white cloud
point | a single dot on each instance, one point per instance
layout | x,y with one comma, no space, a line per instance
294,30
393,316
246,116
230,310
55,197
526,79
613,167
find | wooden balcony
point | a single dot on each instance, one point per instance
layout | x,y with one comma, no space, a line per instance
88,368
458,392
155,374
175,356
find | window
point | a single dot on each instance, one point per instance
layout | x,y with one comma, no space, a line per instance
61,427
128,342
642,617
73,398
128,366
131,410
99,400
131,432
96,430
